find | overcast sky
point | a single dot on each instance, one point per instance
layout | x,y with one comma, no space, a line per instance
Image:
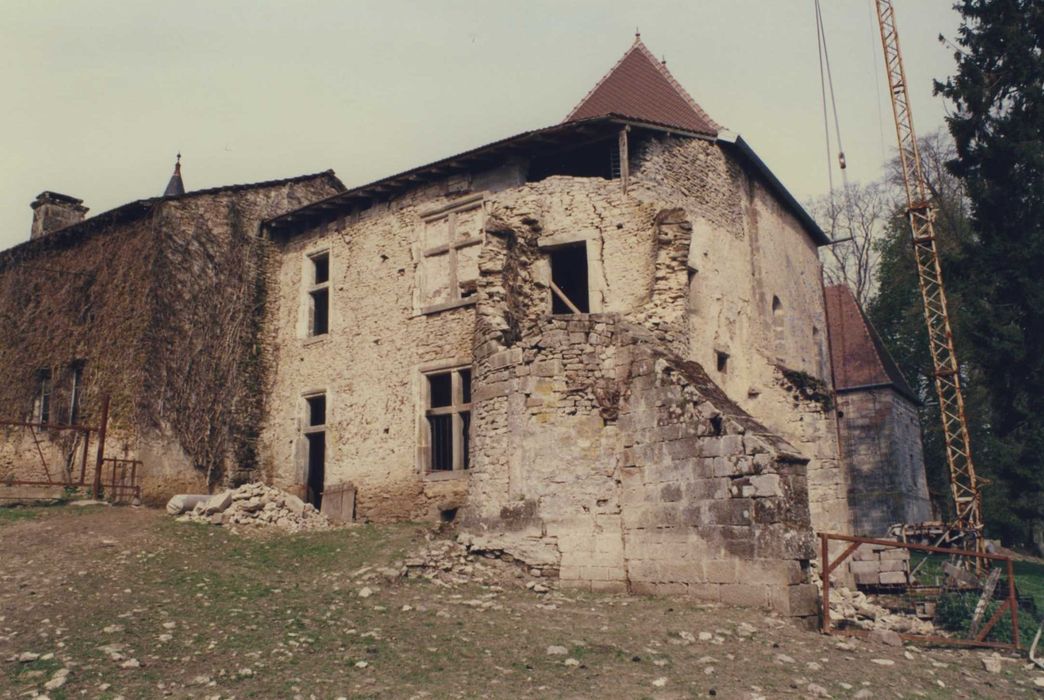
98,96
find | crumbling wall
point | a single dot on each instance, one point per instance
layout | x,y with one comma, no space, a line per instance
881,439
605,457
745,250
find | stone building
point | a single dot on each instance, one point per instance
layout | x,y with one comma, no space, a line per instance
153,303
601,346
880,426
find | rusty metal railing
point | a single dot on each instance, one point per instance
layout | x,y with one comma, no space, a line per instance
1010,605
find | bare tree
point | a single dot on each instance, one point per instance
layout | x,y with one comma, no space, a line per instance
855,218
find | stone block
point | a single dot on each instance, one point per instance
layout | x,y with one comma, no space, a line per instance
893,577
747,594
869,578
720,570
893,565
766,485
864,567
802,600
218,503
184,502
895,553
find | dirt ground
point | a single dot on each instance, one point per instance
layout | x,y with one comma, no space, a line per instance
104,602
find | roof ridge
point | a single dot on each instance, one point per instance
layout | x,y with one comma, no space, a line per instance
662,67
637,42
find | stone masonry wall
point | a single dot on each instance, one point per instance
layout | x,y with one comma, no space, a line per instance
603,455
881,437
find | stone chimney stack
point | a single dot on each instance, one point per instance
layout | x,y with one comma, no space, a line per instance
52,211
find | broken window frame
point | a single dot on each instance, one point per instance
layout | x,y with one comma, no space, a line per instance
555,292
75,391
451,248
319,289
459,411
44,391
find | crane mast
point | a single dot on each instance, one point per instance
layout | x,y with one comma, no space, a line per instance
921,214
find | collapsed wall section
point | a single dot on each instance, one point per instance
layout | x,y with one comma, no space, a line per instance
605,457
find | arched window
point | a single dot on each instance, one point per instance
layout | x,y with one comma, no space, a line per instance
777,326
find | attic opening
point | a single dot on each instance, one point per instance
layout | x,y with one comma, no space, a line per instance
598,159
569,283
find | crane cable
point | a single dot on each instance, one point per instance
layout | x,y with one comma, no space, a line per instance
826,81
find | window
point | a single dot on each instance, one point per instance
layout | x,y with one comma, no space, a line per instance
448,269
315,439
319,295
75,391
43,396
723,361
777,326
569,279
448,417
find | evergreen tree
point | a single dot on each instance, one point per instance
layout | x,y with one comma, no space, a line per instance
998,130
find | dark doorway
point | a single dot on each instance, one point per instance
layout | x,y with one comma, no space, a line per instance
569,275
316,468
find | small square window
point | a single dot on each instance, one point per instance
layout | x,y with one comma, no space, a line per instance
321,268
316,410
440,390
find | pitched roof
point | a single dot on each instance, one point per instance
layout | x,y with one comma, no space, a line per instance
136,210
857,353
642,88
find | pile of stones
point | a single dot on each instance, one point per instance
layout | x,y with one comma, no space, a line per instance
855,608
249,505
454,562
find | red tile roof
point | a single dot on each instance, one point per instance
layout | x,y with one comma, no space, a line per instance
640,87
857,353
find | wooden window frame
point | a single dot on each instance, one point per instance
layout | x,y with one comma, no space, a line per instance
451,249
315,287
457,408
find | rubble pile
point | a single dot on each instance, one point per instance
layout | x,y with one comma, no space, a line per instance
250,505
454,562
855,608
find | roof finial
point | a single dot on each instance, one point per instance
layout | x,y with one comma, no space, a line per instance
637,34
663,61
175,187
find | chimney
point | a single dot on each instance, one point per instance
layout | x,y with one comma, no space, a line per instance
52,211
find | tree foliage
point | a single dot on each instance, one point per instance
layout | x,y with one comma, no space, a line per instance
990,232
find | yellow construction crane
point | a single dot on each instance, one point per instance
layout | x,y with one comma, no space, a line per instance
921,214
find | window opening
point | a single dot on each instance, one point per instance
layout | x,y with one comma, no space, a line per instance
316,468
450,260
569,293
315,439
43,395
316,410
448,417
319,295
598,159
723,361
75,393
777,325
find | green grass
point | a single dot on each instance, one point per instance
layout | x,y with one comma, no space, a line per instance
14,515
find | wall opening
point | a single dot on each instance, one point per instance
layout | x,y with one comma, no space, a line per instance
43,396
316,468
319,295
777,326
315,437
569,291
722,361
599,159
75,391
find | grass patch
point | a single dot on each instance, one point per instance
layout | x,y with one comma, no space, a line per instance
14,515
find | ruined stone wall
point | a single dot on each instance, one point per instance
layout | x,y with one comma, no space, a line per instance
744,251
602,455
881,438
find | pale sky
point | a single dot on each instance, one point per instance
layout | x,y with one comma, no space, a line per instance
99,95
